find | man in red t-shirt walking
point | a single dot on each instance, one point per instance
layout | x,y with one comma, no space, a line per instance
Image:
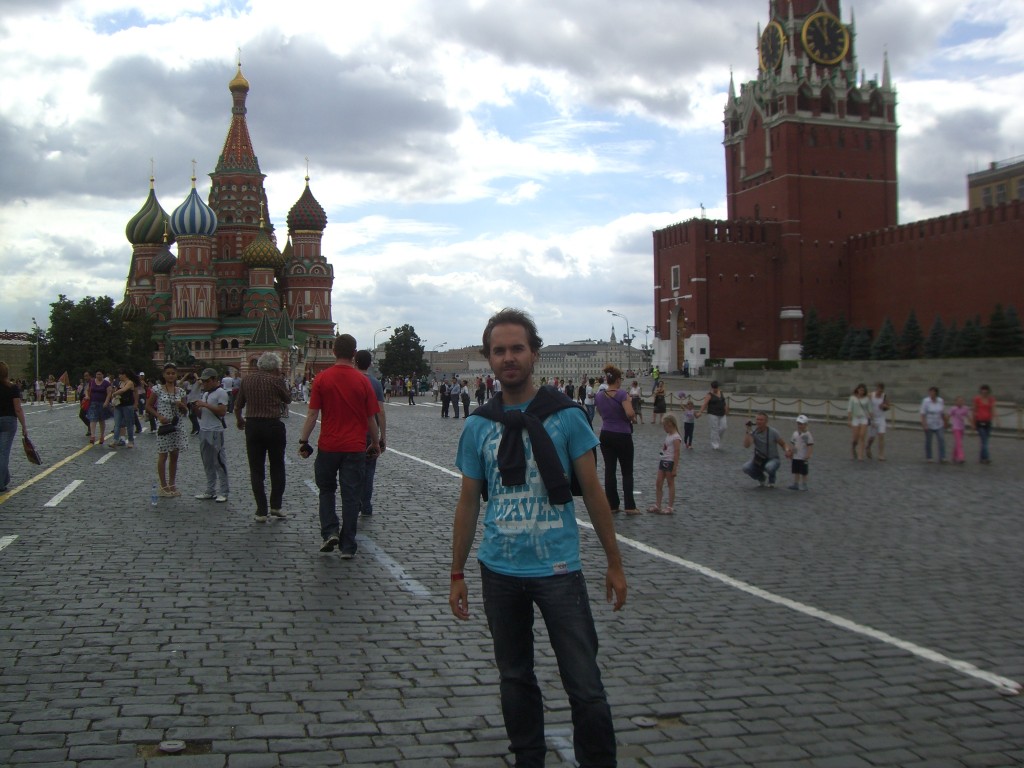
346,404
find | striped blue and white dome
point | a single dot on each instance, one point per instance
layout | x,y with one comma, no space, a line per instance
193,217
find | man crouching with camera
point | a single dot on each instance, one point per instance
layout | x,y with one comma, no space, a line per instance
766,441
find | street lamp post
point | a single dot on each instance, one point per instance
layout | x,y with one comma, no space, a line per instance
379,330
628,339
35,325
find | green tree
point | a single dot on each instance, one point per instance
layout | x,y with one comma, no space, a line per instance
812,336
912,338
1016,334
846,347
969,340
832,335
860,349
951,343
89,334
403,354
1001,339
936,337
886,346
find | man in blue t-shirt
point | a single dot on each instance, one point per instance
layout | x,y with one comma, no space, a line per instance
529,553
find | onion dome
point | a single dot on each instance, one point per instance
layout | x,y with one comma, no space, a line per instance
193,217
287,252
238,82
164,262
262,252
147,226
307,213
128,310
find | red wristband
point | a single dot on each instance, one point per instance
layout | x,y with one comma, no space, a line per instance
458,576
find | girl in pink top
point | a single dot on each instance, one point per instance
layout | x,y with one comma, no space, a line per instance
959,418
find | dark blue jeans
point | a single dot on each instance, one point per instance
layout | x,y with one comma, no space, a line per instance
366,503
565,607
345,469
984,433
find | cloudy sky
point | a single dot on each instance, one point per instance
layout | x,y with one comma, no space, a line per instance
470,154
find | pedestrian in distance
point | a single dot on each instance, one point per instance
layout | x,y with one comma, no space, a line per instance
167,405
689,421
858,414
934,422
262,397
50,389
803,446
11,414
410,386
880,407
660,404
637,401
766,442
195,389
534,561
668,466
98,388
344,401
83,402
959,420
364,359
716,406
455,392
122,397
465,398
616,439
211,408
984,417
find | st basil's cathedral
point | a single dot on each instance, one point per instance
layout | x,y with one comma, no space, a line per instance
230,294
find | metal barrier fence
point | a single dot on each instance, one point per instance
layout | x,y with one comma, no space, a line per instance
1009,416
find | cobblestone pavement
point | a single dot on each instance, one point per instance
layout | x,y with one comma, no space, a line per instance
875,620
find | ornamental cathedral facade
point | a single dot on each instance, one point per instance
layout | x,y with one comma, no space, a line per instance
227,294
811,187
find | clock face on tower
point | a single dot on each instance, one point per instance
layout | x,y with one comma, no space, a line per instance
825,38
773,39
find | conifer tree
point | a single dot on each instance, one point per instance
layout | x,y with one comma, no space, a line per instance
951,343
999,337
861,347
970,340
1016,333
812,336
832,335
933,345
886,344
846,348
912,338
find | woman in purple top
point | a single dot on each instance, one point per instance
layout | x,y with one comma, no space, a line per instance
97,407
617,418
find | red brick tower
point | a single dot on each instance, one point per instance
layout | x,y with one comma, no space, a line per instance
238,197
811,144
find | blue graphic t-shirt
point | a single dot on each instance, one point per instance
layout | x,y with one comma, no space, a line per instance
524,534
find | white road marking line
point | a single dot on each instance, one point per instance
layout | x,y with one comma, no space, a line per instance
5,496
424,461
106,458
1004,684
405,581
6,541
63,494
